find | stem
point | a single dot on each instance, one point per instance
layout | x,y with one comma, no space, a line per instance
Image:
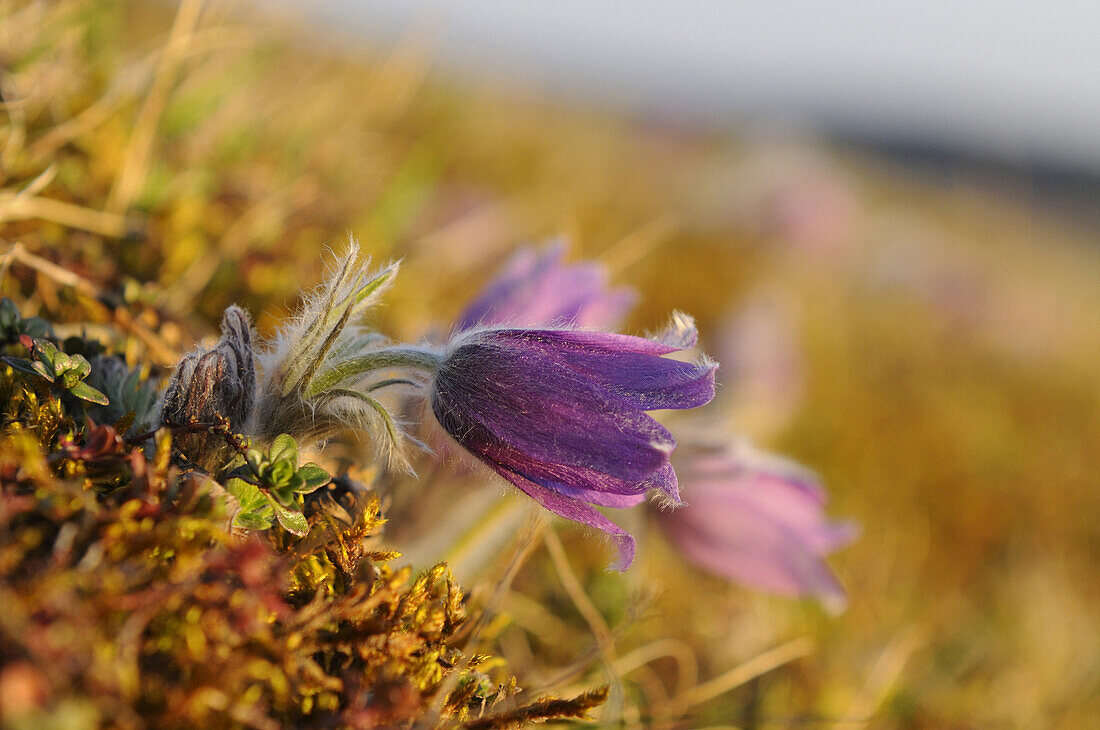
387,420
387,358
297,364
192,427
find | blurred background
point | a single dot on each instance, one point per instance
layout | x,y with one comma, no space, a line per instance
883,217
1010,81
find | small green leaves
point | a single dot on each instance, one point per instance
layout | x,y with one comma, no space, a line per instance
269,485
83,391
284,447
293,521
315,477
255,511
64,371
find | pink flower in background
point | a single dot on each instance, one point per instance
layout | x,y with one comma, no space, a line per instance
761,355
758,520
816,212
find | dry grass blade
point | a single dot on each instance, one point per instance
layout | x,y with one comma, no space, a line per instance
9,199
19,208
687,666
59,274
139,150
129,80
605,642
739,675
885,672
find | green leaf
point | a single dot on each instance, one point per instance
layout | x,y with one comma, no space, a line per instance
36,327
313,476
284,495
284,447
88,393
23,366
48,354
255,460
381,278
253,520
80,365
248,495
292,521
9,313
278,473
43,370
255,512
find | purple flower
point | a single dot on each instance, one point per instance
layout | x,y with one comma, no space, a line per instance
759,520
537,289
561,414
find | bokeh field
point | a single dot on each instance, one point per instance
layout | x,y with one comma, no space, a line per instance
929,345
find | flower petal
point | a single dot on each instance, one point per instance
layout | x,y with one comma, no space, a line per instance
603,499
546,412
538,289
577,511
639,379
588,341
665,480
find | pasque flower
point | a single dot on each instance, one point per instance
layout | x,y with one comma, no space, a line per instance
561,413
536,288
759,520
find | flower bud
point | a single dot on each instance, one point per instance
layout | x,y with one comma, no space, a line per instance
212,383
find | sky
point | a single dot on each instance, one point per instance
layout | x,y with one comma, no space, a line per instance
1014,80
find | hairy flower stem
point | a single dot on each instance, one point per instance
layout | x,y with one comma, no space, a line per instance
416,358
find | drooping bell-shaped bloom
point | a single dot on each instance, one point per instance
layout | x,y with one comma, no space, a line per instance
561,413
536,289
759,520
